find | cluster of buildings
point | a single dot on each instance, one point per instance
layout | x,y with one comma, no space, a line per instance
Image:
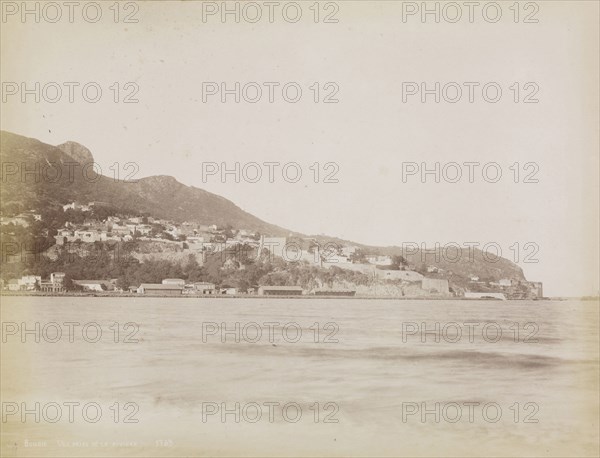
210,238
35,283
22,219
195,236
176,287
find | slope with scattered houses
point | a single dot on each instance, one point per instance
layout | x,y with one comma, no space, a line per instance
186,221
390,276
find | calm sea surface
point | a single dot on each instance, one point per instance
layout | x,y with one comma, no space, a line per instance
297,377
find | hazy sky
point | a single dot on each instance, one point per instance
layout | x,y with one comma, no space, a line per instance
368,54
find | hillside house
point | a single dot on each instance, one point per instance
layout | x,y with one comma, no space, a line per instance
57,277
87,236
143,229
120,230
213,247
379,260
77,206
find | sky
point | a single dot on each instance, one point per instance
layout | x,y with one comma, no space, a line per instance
371,62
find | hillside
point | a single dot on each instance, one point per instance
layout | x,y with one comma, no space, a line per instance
53,179
161,196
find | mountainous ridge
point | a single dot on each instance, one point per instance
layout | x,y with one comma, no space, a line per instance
161,195
28,182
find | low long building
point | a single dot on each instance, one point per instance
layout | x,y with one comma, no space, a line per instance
280,291
334,292
160,289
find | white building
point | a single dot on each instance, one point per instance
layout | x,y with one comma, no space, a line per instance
28,282
379,260
76,206
57,277
88,236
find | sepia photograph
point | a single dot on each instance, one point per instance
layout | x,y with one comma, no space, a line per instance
311,228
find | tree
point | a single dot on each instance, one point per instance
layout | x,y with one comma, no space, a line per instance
192,270
398,261
68,282
123,283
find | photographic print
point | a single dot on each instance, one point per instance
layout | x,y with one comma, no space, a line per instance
353,228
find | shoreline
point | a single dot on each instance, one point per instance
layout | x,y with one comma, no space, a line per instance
256,296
